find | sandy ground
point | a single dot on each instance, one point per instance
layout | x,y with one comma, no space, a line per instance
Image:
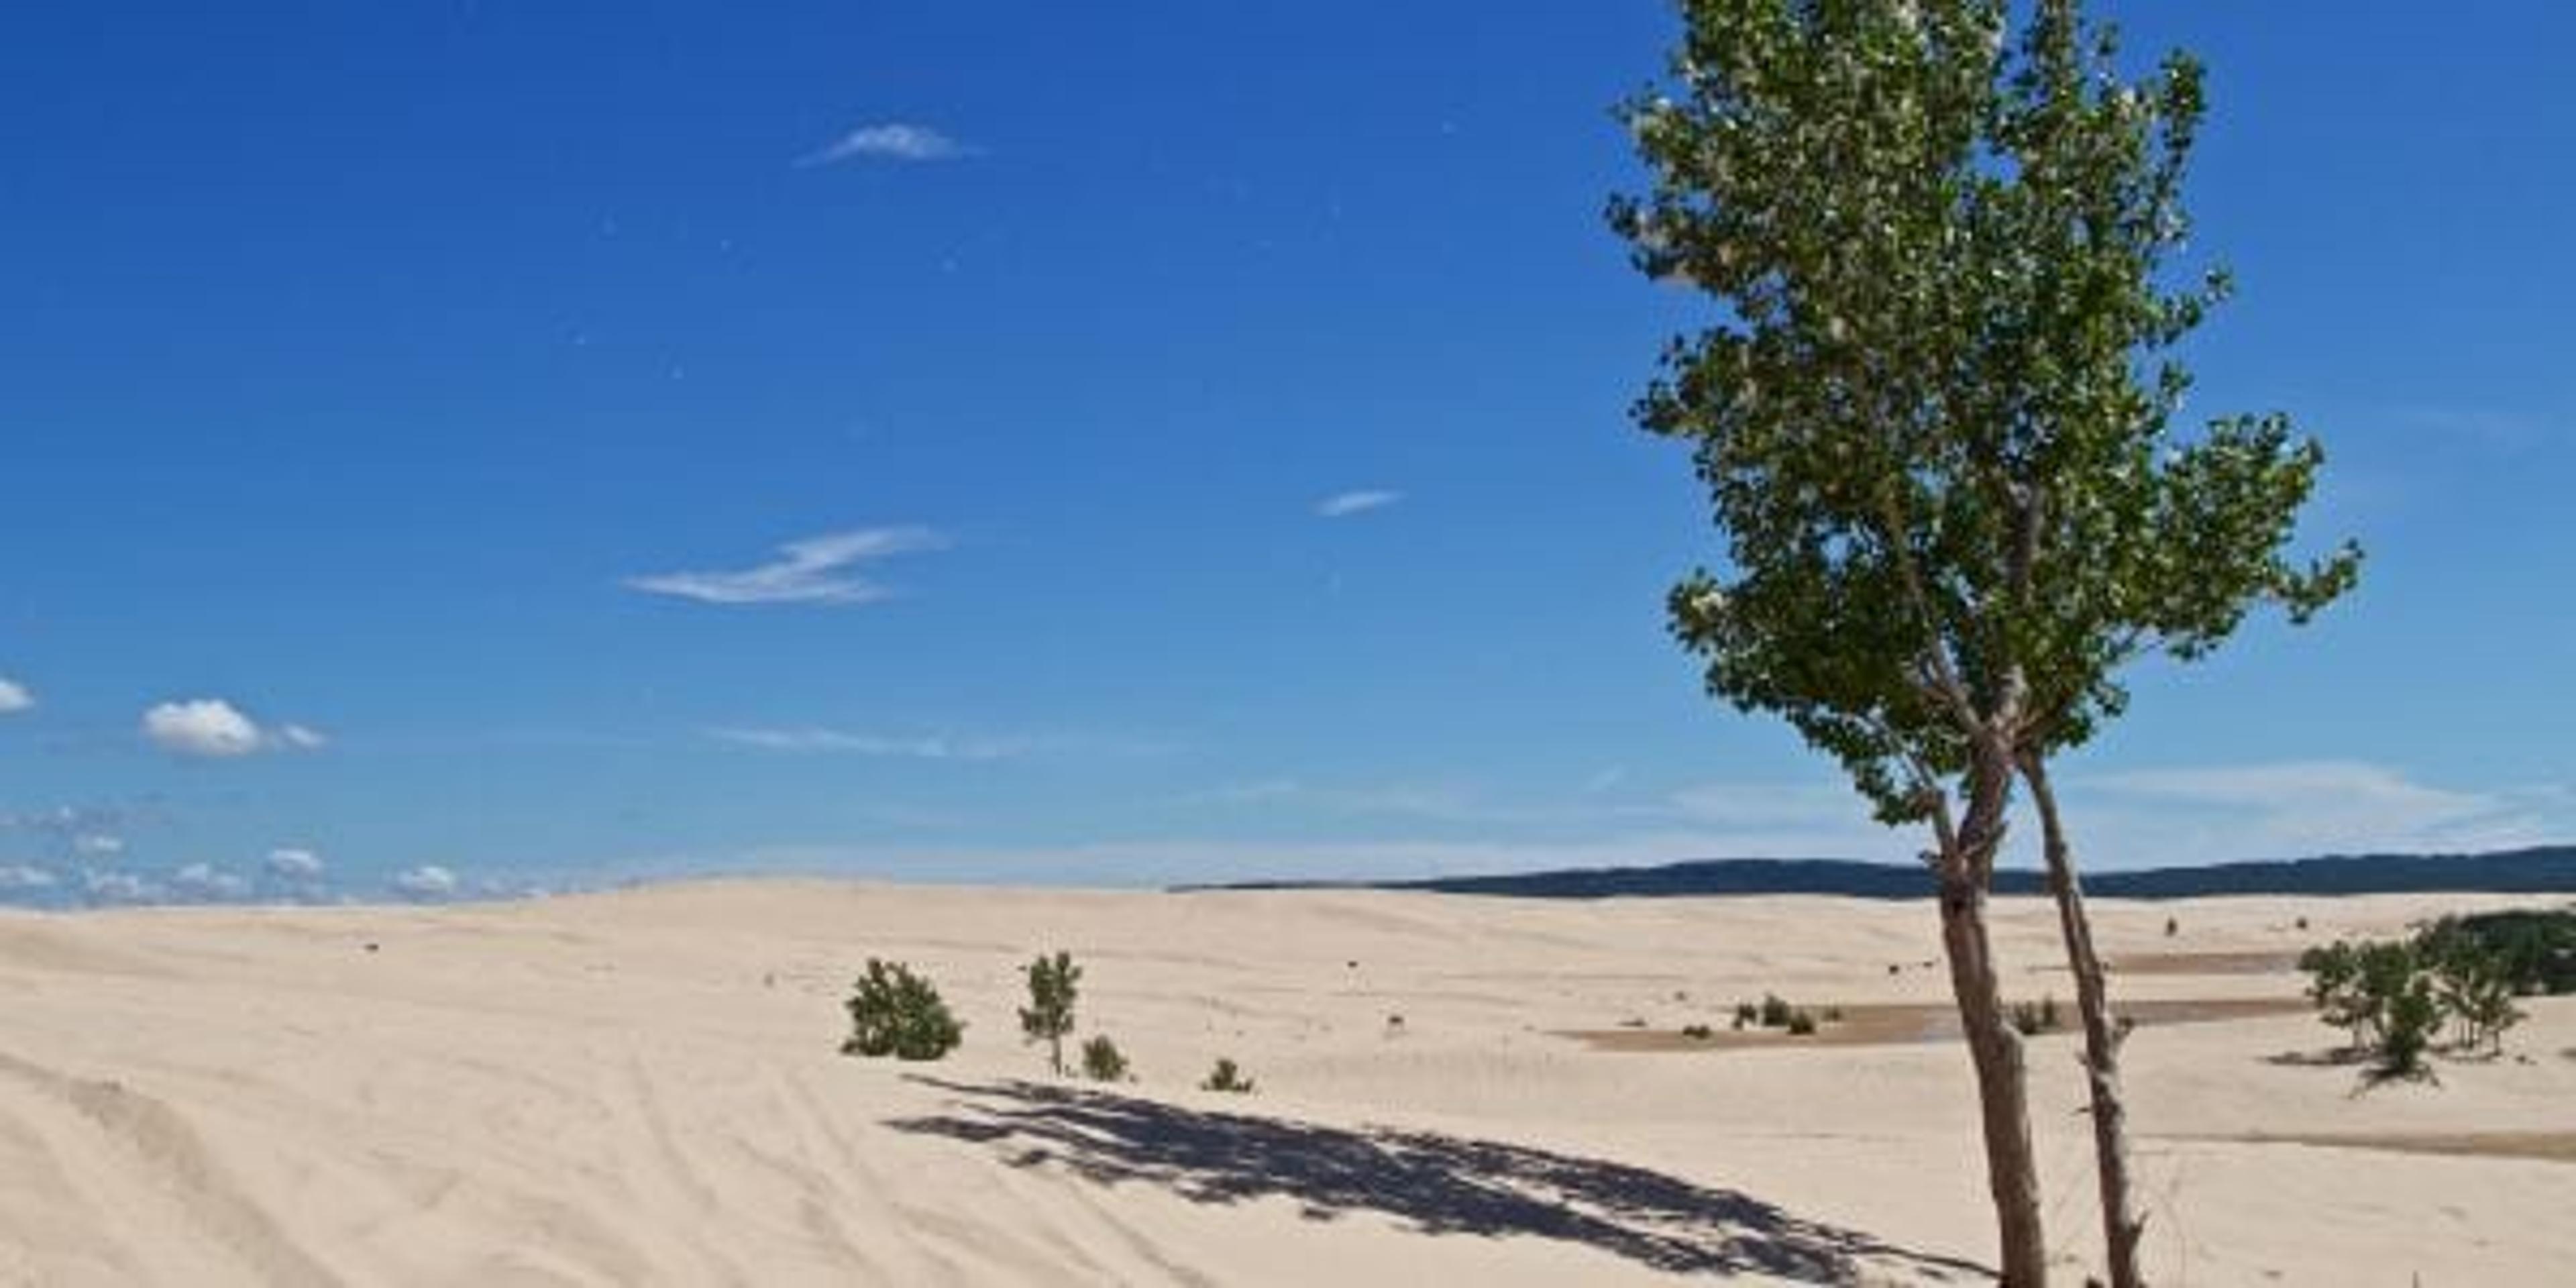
643,1088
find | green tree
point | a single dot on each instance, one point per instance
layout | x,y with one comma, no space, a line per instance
2410,1019
2473,980
898,1013
1226,1077
1053,984
1934,418
2334,984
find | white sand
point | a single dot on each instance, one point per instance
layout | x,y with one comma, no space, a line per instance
643,1088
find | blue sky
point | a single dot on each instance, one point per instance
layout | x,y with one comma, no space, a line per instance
462,446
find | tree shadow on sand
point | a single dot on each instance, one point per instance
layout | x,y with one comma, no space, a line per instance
1439,1184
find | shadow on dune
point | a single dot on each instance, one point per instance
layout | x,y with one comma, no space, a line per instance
1439,1184
2329,1058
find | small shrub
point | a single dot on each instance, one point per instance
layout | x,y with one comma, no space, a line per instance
1053,985
1775,1011
1698,1032
1102,1061
1747,1013
895,1012
2173,927
2030,1019
1225,1077
1833,1015
1801,1024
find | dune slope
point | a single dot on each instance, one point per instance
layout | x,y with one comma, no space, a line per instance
642,1087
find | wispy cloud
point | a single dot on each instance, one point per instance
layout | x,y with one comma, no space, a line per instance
213,729
868,744
2290,809
24,876
428,881
289,863
14,696
204,882
816,570
1342,505
888,141
1434,802
119,887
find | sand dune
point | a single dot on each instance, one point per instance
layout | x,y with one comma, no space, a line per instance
643,1088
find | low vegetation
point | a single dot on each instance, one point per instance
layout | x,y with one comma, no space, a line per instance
1102,1061
1226,1077
898,1013
1775,1012
2031,1019
2392,998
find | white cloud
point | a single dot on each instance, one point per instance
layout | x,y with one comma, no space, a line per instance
212,728
864,744
428,881
812,571
22,876
888,141
14,696
92,845
119,887
2293,809
1344,504
292,864
206,881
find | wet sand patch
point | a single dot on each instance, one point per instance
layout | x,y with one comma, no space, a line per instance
2546,1146
2257,962
1904,1023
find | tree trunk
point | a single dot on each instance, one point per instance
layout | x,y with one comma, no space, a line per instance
2121,1224
2012,1171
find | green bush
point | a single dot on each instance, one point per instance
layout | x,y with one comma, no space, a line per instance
1698,1032
895,1012
1747,1014
2031,1019
1102,1061
1800,1023
1775,1011
1225,1077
